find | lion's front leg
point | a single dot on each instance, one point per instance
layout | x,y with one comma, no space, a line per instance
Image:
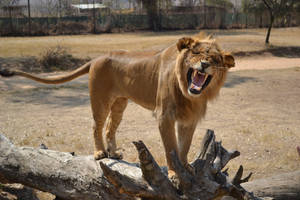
185,136
167,132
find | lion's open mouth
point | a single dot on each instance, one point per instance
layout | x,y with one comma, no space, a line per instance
197,81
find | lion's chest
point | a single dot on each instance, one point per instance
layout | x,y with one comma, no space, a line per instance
187,111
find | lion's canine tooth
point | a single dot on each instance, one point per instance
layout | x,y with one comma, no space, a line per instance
195,72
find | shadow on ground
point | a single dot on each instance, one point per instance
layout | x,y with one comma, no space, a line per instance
193,32
234,79
70,95
288,52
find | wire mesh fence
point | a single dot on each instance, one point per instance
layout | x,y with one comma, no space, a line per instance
15,20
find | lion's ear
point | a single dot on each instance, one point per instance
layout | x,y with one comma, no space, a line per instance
228,60
184,43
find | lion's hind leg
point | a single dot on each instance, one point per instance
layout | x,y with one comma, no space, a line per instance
100,111
114,120
99,152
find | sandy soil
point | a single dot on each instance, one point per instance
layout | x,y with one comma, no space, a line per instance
257,113
265,62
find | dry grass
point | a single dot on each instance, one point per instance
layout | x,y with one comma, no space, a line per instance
94,45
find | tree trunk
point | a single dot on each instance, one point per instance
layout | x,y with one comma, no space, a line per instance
270,27
10,21
280,187
94,18
81,177
246,21
204,13
29,18
271,12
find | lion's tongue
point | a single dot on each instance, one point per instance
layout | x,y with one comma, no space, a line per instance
198,80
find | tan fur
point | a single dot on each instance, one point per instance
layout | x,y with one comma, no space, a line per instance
155,80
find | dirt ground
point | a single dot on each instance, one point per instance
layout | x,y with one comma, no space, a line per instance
257,113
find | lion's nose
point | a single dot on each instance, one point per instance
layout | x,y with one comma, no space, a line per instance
204,64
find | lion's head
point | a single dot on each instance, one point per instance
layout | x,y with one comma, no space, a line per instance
201,67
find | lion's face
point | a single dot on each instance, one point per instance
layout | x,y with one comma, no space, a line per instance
204,62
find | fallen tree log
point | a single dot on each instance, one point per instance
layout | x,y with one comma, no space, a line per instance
81,177
284,186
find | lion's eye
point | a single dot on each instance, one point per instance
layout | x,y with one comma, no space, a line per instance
216,59
196,52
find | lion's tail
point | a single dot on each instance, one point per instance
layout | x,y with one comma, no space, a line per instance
50,80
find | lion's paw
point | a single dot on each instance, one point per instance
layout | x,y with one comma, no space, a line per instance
171,174
98,155
115,155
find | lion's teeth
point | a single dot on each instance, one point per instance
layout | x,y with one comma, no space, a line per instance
195,73
195,87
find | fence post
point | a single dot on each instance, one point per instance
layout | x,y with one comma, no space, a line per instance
10,20
58,23
29,19
94,17
204,14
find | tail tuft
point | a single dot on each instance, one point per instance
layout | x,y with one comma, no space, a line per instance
6,73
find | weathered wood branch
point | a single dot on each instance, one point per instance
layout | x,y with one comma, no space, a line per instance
284,186
81,177
64,175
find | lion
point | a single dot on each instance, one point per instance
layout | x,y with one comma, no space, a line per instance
176,83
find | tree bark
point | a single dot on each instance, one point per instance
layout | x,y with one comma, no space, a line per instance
270,27
280,187
59,173
270,8
29,19
81,177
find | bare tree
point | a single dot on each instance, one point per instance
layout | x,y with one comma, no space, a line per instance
29,18
277,8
